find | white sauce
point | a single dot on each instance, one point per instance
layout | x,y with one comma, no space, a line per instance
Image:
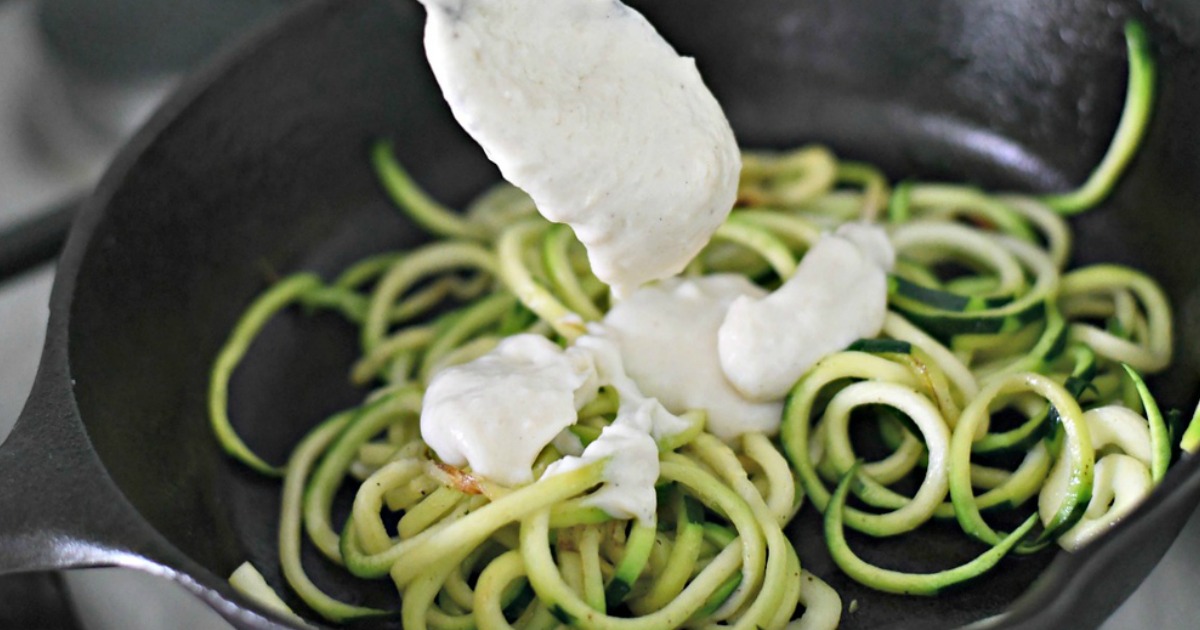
838,295
605,350
663,350
630,441
496,413
583,105
668,339
628,490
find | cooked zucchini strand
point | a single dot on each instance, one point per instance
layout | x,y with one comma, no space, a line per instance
1135,118
897,581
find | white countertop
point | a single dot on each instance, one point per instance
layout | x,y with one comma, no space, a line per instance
118,598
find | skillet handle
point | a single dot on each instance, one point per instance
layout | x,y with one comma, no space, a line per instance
59,509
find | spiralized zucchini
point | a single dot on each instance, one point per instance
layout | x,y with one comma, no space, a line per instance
1001,382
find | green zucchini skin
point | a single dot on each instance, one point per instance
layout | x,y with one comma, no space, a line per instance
906,293
1135,117
880,346
1160,441
562,615
637,553
720,596
1190,442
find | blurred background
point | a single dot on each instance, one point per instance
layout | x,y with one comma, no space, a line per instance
78,77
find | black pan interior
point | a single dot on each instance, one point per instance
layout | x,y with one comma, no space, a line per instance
264,173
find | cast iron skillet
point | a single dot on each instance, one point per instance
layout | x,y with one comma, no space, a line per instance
258,168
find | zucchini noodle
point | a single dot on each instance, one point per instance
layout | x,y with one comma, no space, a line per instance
1001,381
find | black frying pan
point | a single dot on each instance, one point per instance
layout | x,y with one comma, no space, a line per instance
258,168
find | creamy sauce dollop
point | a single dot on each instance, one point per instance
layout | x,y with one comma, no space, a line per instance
667,333
498,412
584,106
630,442
837,296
